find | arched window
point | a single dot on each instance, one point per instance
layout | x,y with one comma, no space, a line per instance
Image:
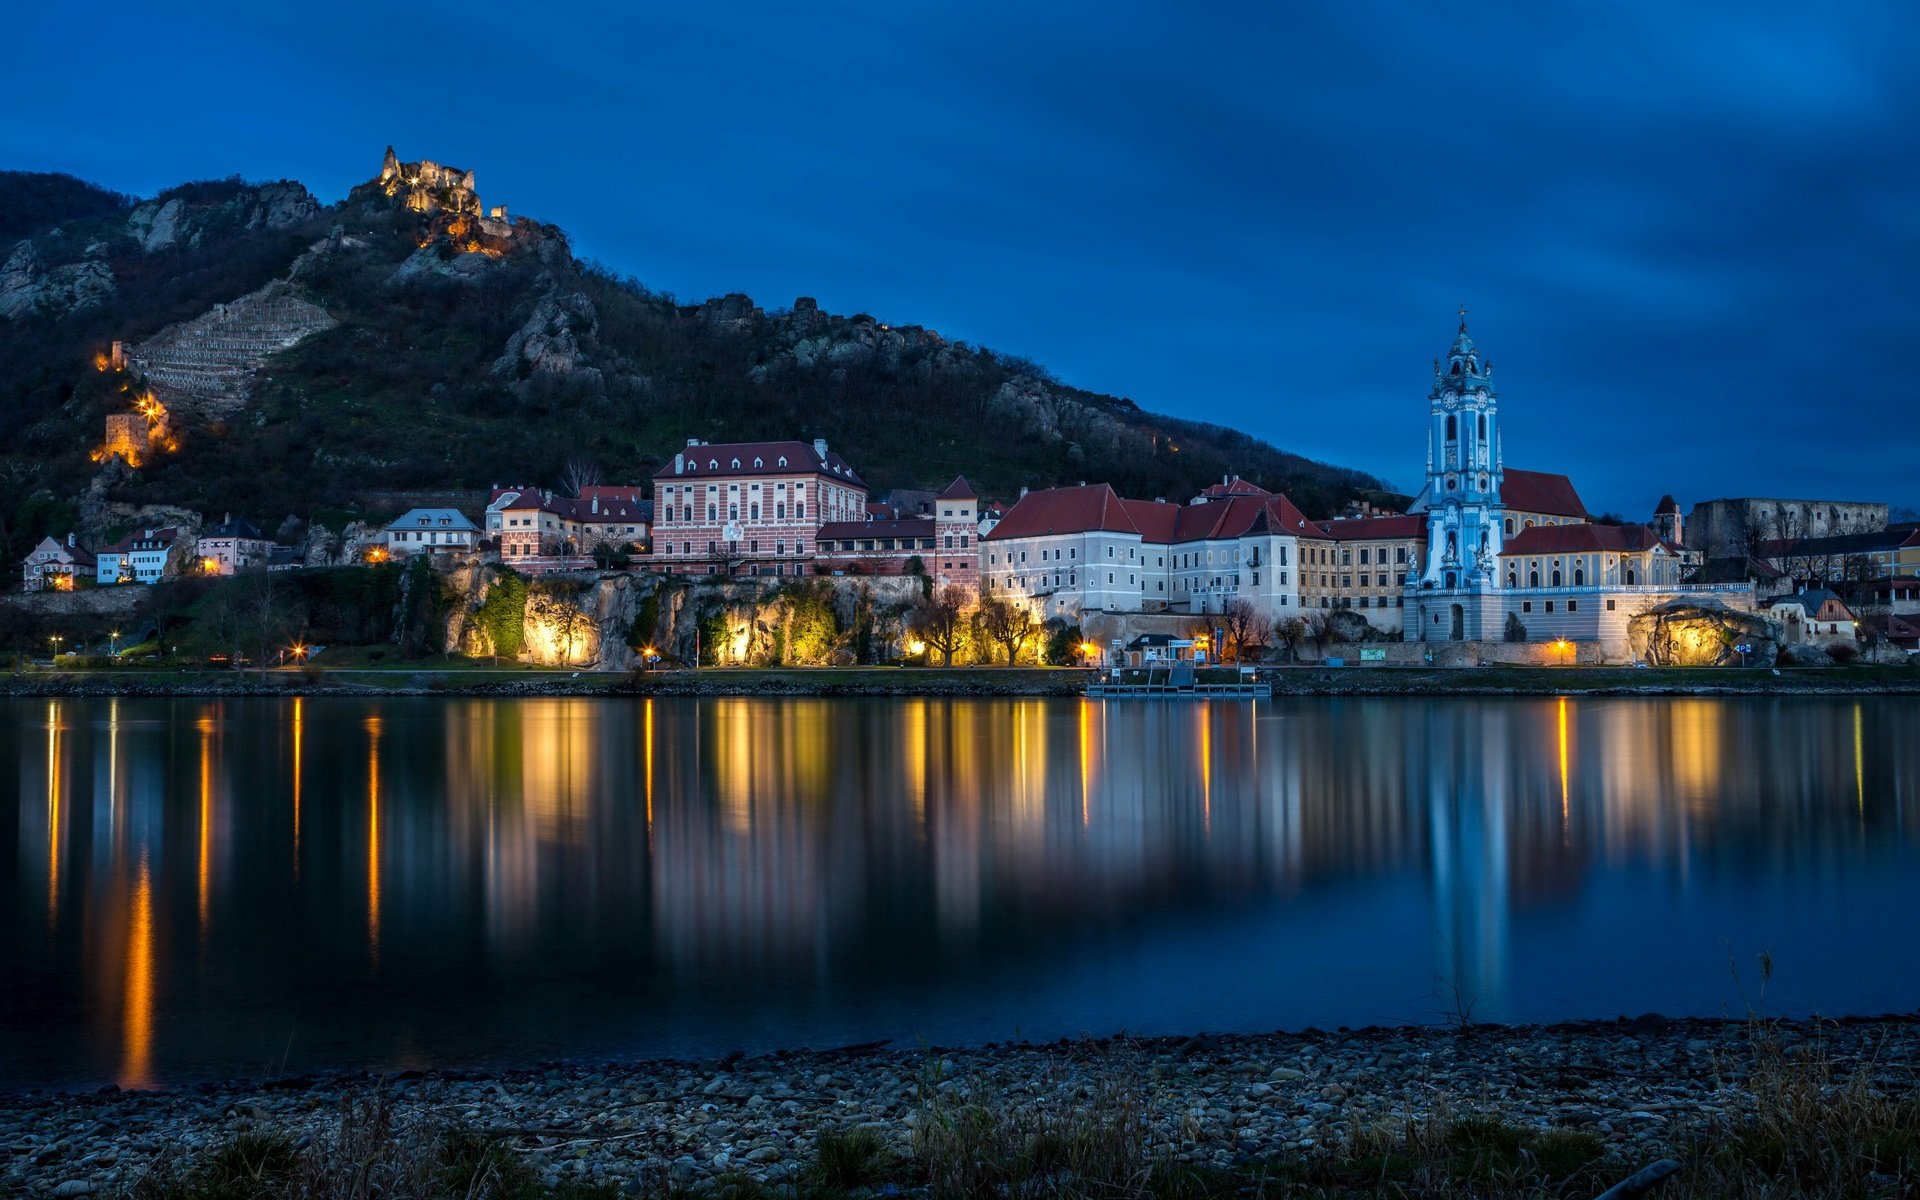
1456,368
1556,577
1632,577
1579,577
1452,428
1452,580
1483,427
1509,526
1513,580
1533,579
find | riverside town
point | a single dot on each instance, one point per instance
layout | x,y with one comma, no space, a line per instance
1486,564
1368,649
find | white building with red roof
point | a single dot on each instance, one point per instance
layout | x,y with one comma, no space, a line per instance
750,507
1067,552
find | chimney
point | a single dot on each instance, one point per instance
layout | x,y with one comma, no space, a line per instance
679,461
73,540
1023,491
693,441
820,447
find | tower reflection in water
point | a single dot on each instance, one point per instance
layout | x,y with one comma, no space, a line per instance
202,887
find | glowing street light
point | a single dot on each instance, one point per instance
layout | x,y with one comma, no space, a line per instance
113,642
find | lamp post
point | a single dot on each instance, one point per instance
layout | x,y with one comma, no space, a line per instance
55,639
113,643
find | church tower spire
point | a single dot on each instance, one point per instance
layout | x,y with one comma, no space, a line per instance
1464,468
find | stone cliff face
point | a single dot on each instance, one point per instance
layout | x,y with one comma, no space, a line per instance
29,287
550,342
593,623
57,274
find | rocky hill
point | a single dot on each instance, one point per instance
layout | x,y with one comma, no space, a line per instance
304,357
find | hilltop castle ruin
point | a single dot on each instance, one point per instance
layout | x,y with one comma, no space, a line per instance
428,187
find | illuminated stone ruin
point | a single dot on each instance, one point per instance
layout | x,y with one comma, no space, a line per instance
427,187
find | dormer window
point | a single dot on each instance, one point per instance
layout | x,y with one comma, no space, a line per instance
713,464
736,464
758,463
783,460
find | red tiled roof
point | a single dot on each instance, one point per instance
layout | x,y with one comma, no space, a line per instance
909,527
612,504
599,503
1234,487
1066,510
1354,529
715,460
1578,539
959,489
1540,492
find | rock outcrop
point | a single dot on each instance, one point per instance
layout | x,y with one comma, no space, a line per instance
159,224
28,287
1702,633
550,344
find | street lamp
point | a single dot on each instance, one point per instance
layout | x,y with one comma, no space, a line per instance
648,656
55,639
113,643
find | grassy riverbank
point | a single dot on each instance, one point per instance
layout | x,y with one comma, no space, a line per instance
480,677
1735,1109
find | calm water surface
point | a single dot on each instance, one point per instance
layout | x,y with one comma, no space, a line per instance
203,888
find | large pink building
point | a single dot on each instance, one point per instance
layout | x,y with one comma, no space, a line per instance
752,508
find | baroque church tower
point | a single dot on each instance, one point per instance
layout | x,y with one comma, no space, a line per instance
1462,494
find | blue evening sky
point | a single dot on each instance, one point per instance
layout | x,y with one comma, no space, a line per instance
1689,235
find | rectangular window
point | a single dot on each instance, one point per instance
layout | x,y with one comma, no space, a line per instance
1549,606
1526,606
1609,606
1573,606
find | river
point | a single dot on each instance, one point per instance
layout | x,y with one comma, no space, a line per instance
210,888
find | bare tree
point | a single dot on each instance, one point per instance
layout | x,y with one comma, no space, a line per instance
1291,631
579,474
267,613
1320,627
1246,627
941,619
1005,623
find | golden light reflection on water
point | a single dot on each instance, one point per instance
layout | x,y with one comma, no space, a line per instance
136,1052
1859,761
204,858
776,836
373,727
53,814
1565,791
298,732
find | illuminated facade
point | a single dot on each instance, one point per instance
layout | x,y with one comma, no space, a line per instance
1512,555
753,508
53,566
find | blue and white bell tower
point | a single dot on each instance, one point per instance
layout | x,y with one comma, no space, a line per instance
1462,494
